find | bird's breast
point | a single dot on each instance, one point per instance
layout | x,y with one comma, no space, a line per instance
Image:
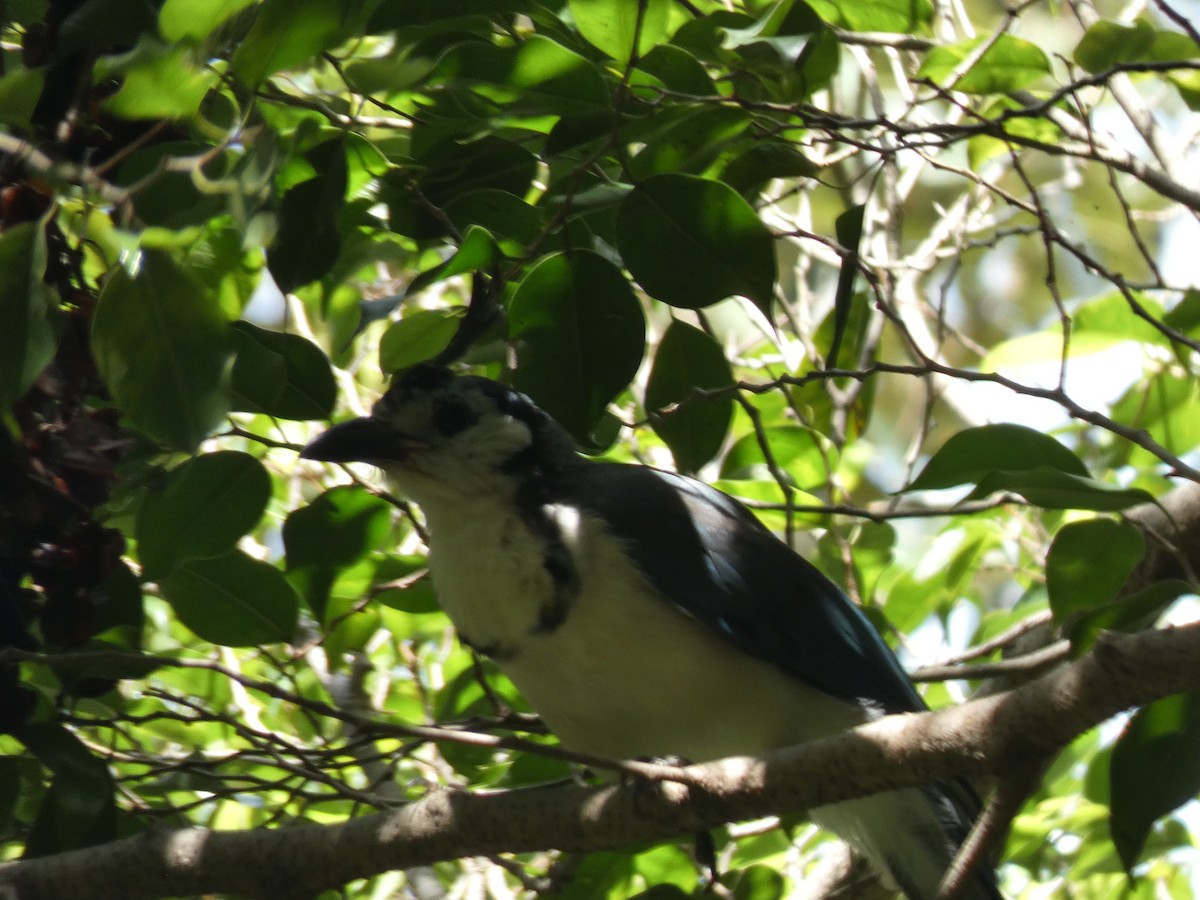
625,673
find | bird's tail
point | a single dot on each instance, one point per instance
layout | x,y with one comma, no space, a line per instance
912,835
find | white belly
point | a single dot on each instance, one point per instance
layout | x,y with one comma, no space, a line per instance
627,674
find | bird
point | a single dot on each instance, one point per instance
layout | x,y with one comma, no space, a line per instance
642,613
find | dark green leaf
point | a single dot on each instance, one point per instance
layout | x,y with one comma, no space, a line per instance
281,375
1155,769
748,172
694,428
233,600
165,351
691,143
1009,64
505,215
206,505
10,789
78,810
455,170
287,34
849,227
29,335
537,76
309,237
175,201
691,242
970,455
1087,564
581,336
106,23
419,336
614,25
333,532
1051,488
1132,613
678,70
1107,43
19,93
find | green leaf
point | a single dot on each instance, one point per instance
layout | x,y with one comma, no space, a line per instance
677,70
310,235
538,76
759,883
804,453
614,25
281,375
477,251
849,229
333,532
175,201
686,359
581,336
691,242
194,20
79,809
1052,488
1155,769
1087,564
159,82
19,93
748,172
287,34
233,600
1009,64
206,505
970,455
455,170
1131,613
29,335
165,351
898,16
1107,43
514,223
690,144
419,336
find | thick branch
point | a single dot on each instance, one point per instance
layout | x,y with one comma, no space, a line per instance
1002,734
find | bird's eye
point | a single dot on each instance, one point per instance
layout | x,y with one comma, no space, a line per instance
453,416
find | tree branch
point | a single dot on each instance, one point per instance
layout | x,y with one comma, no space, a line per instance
1005,735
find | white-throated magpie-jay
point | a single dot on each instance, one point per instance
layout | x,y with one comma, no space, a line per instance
643,613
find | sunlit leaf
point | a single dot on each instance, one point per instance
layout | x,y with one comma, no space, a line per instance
970,455
1087,564
614,25
1009,64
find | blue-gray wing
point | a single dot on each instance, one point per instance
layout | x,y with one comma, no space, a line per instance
711,557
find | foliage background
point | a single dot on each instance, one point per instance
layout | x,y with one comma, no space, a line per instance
916,281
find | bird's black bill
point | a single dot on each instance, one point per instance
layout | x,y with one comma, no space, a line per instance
357,440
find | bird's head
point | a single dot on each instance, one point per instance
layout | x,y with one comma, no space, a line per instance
437,434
